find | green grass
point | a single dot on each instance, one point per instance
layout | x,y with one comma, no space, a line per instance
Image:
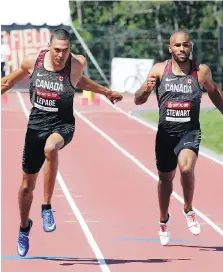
211,126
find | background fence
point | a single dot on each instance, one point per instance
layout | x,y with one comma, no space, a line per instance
112,41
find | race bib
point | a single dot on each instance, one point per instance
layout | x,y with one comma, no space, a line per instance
178,111
46,100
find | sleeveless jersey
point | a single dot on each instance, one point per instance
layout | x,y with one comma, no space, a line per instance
179,100
51,94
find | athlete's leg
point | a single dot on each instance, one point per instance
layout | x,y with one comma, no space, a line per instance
26,197
59,138
188,149
25,202
33,159
186,162
166,162
165,188
53,144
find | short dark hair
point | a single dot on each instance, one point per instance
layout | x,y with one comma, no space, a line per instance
60,34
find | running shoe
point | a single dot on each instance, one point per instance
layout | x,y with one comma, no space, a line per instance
164,232
23,241
49,224
192,222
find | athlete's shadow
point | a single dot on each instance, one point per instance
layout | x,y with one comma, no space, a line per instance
202,248
92,261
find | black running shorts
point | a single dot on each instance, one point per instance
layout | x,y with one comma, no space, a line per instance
168,148
35,140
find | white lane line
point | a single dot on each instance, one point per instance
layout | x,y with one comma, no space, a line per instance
59,196
144,168
87,221
59,189
75,209
204,154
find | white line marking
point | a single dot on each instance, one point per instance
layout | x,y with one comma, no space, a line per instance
75,209
155,128
144,168
87,221
59,189
71,213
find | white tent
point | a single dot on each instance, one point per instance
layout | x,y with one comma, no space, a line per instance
35,12
26,26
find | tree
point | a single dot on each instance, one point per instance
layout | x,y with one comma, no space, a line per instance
141,29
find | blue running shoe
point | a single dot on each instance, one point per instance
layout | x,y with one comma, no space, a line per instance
49,224
23,241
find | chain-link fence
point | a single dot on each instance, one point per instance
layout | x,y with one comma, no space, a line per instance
107,42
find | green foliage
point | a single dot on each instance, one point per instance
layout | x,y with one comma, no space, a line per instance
131,29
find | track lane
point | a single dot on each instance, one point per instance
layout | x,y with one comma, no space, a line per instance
121,205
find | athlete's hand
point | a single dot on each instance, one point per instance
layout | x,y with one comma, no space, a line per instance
4,85
151,83
114,96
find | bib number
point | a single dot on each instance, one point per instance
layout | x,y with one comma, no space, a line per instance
178,111
46,100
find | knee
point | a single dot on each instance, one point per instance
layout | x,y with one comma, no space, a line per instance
50,151
165,179
186,171
27,187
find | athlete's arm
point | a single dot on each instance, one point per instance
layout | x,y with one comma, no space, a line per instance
81,81
213,90
148,85
87,84
24,69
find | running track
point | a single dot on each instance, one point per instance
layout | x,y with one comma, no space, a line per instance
106,200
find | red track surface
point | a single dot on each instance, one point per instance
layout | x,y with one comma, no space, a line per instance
115,197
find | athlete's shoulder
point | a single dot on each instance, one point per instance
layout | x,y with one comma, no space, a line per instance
159,68
160,65
203,69
78,58
204,73
30,60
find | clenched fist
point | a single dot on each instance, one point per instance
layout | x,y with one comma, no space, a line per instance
151,83
114,96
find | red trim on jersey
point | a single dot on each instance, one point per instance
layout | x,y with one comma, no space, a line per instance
168,68
194,69
39,62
